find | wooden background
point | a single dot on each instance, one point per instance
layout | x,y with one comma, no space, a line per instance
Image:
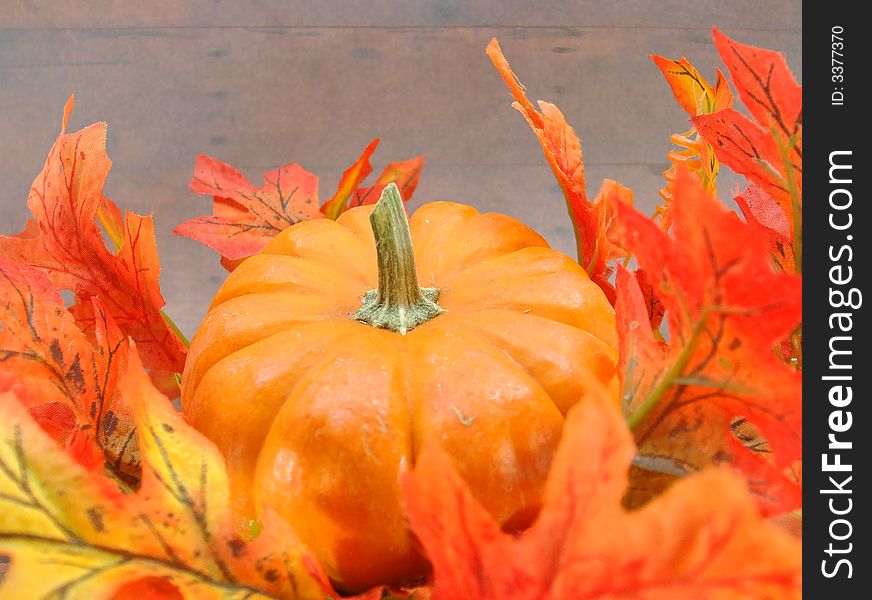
263,83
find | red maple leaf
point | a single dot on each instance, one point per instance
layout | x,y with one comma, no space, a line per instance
65,241
757,207
768,149
748,149
406,174
727,309
245,218
765,84
702,539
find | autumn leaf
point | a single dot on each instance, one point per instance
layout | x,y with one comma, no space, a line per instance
692,92
642,356
110,219
655,309
697,97
748,149
349,193
765,84
406,174
758,208
562,150
703,538
65,241
68,384
715,279
245,218
349,182
70,531
768,149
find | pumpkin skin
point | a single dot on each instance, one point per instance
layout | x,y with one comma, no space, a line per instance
319,416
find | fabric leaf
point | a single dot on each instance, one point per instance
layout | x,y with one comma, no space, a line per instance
67,382
767,149
702,539
757,207
765,84
66,242
693,93
715,279
350,181
51,569
406,174
562,150
177,526
749,150
697,97
245,218
642,357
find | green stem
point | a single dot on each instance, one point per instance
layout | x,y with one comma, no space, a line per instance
399,304
579,242
671,375
795,201
175,328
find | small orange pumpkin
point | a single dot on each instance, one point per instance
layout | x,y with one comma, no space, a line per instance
321,367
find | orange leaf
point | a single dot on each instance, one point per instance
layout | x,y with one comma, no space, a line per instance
66,242
68,385
245,218
610,194
716,280
765,85
562,150
714,259
691,90
656,310
758,207
768,151
696,97
749,150
350,181
702,539
642,358
406,174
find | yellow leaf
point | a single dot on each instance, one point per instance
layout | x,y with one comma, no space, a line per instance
55,570
697,97
71,532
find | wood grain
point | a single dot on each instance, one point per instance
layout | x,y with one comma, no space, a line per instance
260,84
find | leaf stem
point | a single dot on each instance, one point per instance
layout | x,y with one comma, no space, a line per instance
795,200
175,329
671,375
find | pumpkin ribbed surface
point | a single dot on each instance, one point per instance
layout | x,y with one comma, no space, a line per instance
319,416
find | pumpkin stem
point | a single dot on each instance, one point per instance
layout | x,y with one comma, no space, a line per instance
399,303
